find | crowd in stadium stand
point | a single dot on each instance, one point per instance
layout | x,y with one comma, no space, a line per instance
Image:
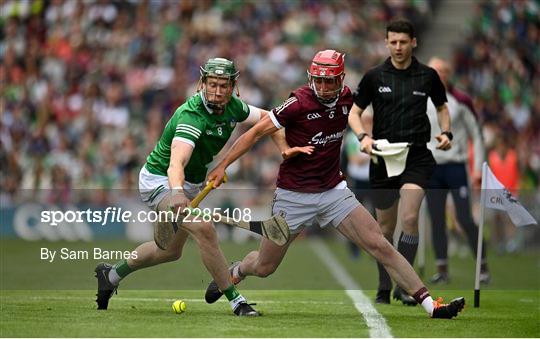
498,64
88,85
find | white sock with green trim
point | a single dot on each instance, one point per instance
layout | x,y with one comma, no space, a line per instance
234,303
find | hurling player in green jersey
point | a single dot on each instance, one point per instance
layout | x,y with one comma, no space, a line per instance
174,173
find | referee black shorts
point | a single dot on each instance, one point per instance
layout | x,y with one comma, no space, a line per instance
418,170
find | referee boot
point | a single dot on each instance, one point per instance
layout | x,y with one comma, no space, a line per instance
105,289
447,311
400,294
213,293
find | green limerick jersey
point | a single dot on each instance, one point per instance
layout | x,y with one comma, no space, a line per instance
206,132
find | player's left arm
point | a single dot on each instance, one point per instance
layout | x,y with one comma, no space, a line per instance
287,151
243,144
278,137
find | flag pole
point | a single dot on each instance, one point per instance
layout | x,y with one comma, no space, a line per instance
480,236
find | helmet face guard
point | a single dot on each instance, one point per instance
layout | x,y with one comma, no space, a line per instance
326,74
211,83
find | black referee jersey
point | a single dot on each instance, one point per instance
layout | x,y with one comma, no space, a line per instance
399,99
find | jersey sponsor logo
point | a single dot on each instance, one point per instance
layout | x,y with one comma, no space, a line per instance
319,139
422,94
385,89
232,123
313,116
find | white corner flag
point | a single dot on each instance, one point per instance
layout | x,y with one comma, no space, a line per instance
498,197
495,195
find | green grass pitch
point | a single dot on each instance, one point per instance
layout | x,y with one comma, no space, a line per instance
302,299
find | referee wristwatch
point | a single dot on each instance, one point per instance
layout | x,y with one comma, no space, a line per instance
362,135
448,134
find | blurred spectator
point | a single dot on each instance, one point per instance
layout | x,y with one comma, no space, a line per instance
87,86
504,165
498,64
82,80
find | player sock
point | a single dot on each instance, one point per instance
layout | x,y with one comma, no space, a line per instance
407,246
119,271
233,296
423,298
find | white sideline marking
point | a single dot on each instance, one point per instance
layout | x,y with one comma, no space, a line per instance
374,320
91,298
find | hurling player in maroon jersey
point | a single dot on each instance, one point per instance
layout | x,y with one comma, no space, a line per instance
311,188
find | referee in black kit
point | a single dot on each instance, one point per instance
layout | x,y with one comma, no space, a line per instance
398,90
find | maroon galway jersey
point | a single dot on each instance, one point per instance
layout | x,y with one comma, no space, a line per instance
307,122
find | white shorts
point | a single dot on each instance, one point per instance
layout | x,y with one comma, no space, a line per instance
153,188
305,209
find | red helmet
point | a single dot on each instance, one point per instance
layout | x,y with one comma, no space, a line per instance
328,66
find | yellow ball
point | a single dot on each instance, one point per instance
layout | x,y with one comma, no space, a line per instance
179,306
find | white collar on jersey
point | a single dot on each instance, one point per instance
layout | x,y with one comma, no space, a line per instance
331,104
